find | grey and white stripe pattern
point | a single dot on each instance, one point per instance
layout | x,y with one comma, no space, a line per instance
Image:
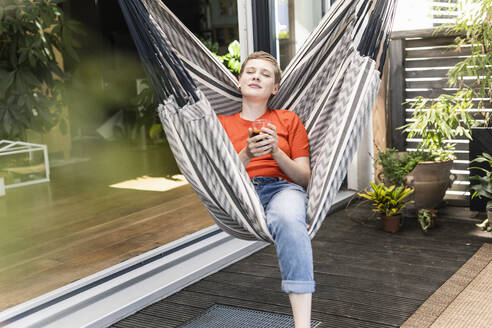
210,163
217,83
329,85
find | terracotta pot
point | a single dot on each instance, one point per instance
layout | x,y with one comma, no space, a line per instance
391,223
430,181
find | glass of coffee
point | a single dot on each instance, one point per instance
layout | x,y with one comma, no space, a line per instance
258,125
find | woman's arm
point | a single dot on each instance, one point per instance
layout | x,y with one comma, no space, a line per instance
255,146
297,169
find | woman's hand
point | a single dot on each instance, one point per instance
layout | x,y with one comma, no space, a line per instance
271,138
259,145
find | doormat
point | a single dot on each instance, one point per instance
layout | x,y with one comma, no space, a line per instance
218,316
463,301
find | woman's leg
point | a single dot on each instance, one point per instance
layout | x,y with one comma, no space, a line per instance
286,218
301,308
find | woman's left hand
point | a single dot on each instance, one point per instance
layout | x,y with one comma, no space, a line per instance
272,138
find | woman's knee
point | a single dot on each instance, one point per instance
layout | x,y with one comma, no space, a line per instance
288,207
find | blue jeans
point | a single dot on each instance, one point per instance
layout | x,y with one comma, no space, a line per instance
285,207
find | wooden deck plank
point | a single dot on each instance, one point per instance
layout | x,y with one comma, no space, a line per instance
364,277
205,300
328,292
358,284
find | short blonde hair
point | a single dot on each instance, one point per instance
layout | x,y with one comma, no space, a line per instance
266,57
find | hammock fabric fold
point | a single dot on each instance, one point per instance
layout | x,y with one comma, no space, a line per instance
329,84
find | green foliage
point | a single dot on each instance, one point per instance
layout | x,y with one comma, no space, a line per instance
31,80
425,218
146,105
484,186
387,201
396,166
212,46
485,225
475,28
438,121
232,59
283,35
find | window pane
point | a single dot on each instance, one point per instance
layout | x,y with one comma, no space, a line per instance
295,20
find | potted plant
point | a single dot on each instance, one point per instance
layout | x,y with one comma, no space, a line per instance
388,202
484,187
396,165
435,122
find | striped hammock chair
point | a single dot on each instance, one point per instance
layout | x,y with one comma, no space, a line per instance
331,84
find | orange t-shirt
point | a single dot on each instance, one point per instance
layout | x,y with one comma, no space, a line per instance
292,140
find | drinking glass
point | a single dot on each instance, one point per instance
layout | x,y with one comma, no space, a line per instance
258,125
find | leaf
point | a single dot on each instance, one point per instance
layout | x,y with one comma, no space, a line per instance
234,49
6,82
13,54
155,130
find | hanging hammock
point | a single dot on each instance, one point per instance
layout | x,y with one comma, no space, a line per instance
331,84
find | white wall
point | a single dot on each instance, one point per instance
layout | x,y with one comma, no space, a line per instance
361,171
307,16
245,25
414,14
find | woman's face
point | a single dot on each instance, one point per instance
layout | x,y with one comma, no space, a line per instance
258,80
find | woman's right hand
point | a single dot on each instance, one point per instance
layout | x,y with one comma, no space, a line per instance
255,146
258,145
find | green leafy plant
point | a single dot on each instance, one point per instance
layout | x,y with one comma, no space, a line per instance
439,121
232,59
212,46
388,201
397,165
426,218
475,29
31,79
484,186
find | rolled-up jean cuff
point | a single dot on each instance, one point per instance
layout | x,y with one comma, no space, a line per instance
298,286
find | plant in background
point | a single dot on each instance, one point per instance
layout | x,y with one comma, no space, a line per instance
396,166
426,218
388,201
439,121
475,28
232,59
31,80
484,186
212,46
146,106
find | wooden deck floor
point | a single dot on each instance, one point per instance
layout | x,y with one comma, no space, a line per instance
365,277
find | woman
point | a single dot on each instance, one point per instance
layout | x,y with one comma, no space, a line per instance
277,161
